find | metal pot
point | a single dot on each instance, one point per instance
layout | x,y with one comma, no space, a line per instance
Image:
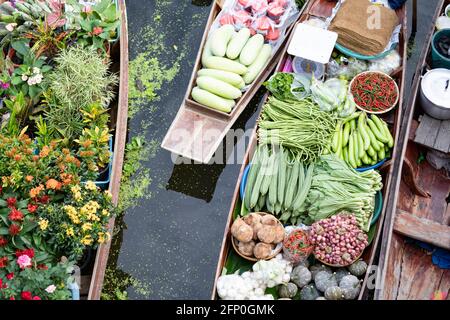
435,93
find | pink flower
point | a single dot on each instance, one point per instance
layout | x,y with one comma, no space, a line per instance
87,9
36,298
97,31
50,289
24,261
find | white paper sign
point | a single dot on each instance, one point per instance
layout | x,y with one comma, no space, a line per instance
312,43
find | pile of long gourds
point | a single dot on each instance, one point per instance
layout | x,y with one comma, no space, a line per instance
278,182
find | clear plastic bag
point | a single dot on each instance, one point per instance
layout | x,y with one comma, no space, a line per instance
268,19
296,245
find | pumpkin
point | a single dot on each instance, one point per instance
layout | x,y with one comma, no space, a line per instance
304,263
309,293
301,276
351,286
358,268
319,267
340,273
324,280
288,290
321,298
334,293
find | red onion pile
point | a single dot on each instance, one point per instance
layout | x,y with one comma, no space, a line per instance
338,240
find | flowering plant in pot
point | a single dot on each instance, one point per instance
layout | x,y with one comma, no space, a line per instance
79,221
94,150
25,279
28,76
96,25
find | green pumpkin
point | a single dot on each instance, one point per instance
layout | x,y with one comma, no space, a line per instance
351,287
309,292
334,293
358,268
288,290
301,276
324,280
319,267
340,273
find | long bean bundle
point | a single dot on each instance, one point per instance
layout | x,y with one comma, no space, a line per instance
298,125
337,187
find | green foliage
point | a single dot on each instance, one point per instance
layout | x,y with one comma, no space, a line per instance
81,78
35,280
78,222
96,26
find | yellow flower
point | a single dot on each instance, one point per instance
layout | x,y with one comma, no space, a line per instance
103,237
75,189
108,194
72,214
87,240
69,232
76,192
86,226
77,196
43,224
105,213
90,186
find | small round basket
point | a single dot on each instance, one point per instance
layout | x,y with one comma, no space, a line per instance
275,251
339,266
384,75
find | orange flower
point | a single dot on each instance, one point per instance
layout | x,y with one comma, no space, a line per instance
86,144
34,193
35,158
66,178
29,178
53,184
17,157
44,152
65,151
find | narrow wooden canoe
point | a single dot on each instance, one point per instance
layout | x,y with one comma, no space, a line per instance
418,207
322,9
197,131
92,286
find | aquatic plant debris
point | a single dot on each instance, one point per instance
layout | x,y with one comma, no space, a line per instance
149,71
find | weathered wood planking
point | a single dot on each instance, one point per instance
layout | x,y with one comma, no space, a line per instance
101,258
413,276
422,229
390,250
443,139
433,133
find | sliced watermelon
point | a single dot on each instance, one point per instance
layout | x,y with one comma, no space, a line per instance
259,7
282,3
273,34
244,3
263,23
275,11
242,17
226,19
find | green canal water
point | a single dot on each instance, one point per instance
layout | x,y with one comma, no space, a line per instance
168,238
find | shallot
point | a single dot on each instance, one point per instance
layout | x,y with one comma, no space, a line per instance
338,240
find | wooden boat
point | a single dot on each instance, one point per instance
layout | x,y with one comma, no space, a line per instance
418,208
197,131
322,9
91,285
